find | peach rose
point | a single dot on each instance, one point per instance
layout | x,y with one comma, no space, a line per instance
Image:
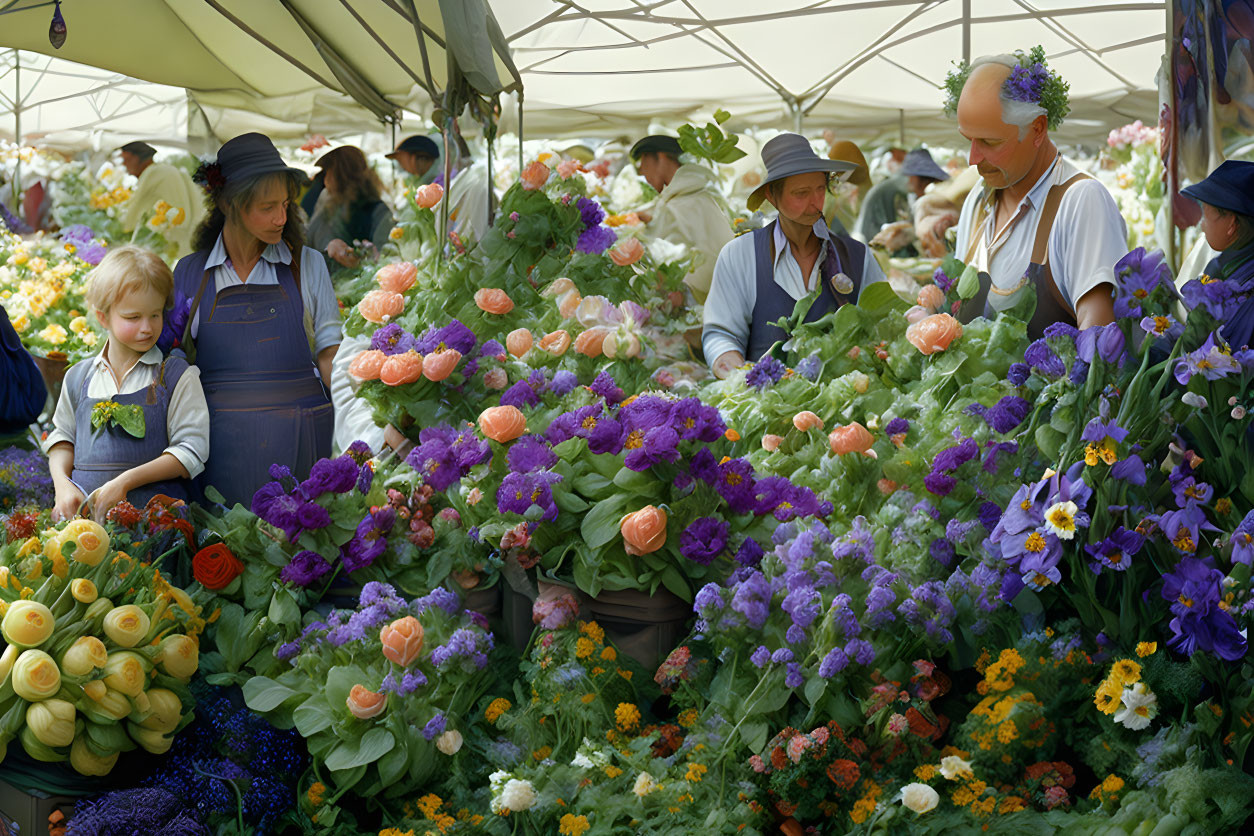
934,333
440,364
626,252
401,368
402,640
568,303
591,342
916,313
367,364
519,342
378,306
428,196
502,424
364,703
771,443
535,176
559,286
931,297
806,421
398,277
644,531
556,342
495,379
493,300
851,438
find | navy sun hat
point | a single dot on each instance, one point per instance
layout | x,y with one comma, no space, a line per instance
1231,187
919,163
655,144
139,148
422,146
789,154
250,155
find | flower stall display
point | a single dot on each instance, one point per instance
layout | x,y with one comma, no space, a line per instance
99,649
95,199
42,286
380,693
1138,183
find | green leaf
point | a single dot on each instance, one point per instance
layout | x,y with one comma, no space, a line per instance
721,116
644,483
130,418
263,694
340,680
879,295
393,765
600,525
814,690
754,736
674,580
283,609
367,749
312,716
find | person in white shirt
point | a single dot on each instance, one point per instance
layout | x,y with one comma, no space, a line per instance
759,277
1037,220
162,182
130,422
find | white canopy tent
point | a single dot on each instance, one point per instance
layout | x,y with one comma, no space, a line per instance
868,69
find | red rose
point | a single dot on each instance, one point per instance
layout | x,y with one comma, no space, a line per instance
215,567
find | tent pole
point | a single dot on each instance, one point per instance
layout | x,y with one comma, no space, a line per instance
520,135
797,116
966,31
17,131
901,127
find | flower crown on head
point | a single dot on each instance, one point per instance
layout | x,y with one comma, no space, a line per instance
1031,81
209,176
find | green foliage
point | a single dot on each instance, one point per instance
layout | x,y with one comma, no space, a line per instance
709,142
1053,94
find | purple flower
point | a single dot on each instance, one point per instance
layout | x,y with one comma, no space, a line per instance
1042,358
1185,526
1139,274
1188,490
590,212
810,367
520,395
563,382
942,551
995,449
766,372
175,324
603,386
781,656
1162,326
703,466
1116,551
648,447
530,453
1018,373
803,605
860,650
694,421
952,458
606,438
519,492
645,412
750,553
435,459
793,679
736,483
1130,470
1200,623
455,335
990,515
704,540
752,599
939,483
709,599
1062,331
760,657
579,423
1215,296
370,540
833,663
596,240
392,339
434,727
897,426
1007,413
493,349
1025,83
1098,431
942,280
1243,541
305,569
1104,341
1209,361
365,478
338,475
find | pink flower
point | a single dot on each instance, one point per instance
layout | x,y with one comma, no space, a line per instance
364,703
931,297
934,333
493,300
806,421
402,640
429,195
897,724
626,252
757,764
567,168
851,438
771,443
535,176
398,277
378,306
820,735
797,747
495,379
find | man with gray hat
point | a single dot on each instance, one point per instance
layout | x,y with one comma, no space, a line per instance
162,181
689,210
759,277
416,155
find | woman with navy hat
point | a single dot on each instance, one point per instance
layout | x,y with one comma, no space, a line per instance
261,321
1227,200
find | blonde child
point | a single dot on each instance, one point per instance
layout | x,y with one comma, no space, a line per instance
130,423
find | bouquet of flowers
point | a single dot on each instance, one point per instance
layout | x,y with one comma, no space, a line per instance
379,693
42,285
100,649
92,199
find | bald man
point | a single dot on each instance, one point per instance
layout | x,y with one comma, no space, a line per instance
1038,219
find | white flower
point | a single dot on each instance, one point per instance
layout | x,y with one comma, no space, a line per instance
1194,400
663,251
1139,707
644,784
517,796
450,743
588,756
954,767
919,797
1060,519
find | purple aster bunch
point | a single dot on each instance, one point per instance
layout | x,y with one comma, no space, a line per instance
289,506
305,569
766,372
24,479
590,212
1200,622
704,540
392,339
940,481
1038,518
596,240
174,324
444,455
1139,274
1007,414
455,335
520,492
466,649
1025,83
1217,297
810,367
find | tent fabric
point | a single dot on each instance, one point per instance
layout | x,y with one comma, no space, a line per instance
867,69
328,65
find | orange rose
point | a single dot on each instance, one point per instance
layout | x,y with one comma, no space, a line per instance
364,703
771,443
379,306
216,566
502,424
401,368
534,176
398,277
931,297
568,303
591,342
627,251
429,195
439,365
493,300
851,438
555,343
367,364
559,286
934,333
402,640
519,342
644,531
806,421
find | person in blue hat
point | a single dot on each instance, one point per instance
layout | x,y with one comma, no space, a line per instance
759,277
255,310
1227,201
416,155
889,201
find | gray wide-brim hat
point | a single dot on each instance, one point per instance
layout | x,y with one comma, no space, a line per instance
919,163
789,154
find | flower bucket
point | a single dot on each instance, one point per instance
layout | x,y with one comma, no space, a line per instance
52,367
645,627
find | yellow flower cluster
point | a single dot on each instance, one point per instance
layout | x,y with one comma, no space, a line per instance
627,716
316,793
1108,789
695,771
498,707
109,198
429,805
999,676
865,805
1109,693
1010,718
572,825
164,215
